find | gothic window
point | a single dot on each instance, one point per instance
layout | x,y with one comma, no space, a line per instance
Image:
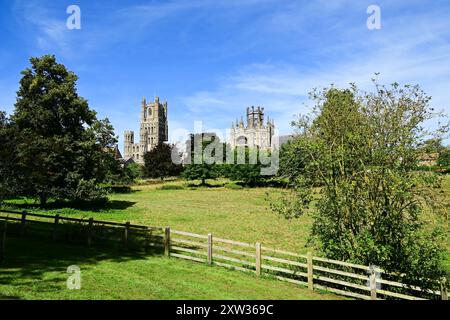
149,112
241,141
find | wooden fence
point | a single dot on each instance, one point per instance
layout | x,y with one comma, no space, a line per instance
313,272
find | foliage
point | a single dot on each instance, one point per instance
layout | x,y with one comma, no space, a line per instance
7,157
433,145
119,174
133,171
62,148
444,157
159,163
204,164
200,171
436,169
248,170
80,190
361,150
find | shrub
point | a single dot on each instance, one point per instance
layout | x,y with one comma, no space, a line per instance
361,148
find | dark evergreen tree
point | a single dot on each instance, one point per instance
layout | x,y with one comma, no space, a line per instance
158,162
62,149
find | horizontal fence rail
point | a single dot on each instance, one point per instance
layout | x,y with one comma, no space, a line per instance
342,278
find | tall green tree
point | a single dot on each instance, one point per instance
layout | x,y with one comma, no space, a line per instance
7,157
203,158
247,169
358,151
158,162
61,145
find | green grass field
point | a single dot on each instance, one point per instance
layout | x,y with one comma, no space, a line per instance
38,270
241,215
237,214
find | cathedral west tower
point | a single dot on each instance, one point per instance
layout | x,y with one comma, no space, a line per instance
152,132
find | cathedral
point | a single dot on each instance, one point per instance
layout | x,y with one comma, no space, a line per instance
254,134
153,131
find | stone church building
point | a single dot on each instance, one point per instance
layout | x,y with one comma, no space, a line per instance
153,131
254,134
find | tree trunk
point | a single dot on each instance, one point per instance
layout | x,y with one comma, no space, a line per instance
3,242
43,199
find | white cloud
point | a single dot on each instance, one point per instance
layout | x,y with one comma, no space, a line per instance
407,54
202,99
47,26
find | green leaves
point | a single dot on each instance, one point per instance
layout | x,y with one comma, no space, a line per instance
57,136
358,152
159,164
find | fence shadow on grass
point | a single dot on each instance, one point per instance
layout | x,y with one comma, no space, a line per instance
36,245
63,205
28,262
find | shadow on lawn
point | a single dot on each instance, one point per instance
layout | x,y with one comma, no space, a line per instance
61,205
28,260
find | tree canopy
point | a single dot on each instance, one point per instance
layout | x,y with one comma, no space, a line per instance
358,151
158,162
61,146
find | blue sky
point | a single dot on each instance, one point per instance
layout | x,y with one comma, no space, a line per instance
210,59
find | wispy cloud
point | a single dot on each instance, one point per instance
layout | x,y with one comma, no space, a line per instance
48,27
215,58
414,55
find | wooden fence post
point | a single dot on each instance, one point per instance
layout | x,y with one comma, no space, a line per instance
167,241
310,271
55,227
210,248
125,234
373,283
258,259
444,294
89,235
22,223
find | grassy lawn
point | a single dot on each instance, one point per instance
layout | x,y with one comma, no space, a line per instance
241,215
37,270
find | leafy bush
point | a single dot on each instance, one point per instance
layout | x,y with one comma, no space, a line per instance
159,163
444,158
89,191
361,148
